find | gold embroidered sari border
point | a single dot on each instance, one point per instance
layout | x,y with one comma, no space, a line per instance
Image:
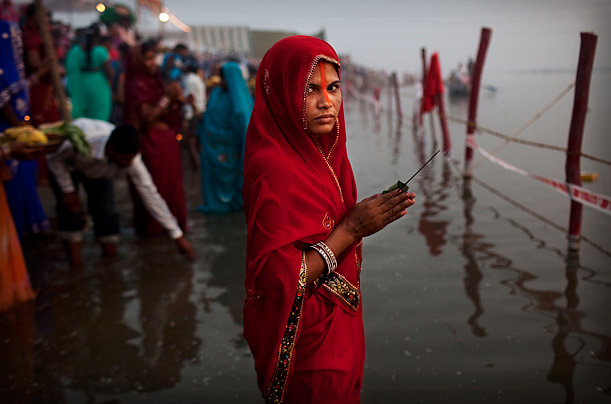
338,285
289,338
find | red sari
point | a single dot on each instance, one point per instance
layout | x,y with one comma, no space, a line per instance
307,341
44,107
159,147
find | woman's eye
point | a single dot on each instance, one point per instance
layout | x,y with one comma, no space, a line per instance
310,90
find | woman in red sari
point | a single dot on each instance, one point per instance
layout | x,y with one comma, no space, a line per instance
302,313
44,107
155,109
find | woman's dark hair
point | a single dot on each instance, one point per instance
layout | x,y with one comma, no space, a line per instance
191,65
30,11
91,36
125,139
124,50
106,39
148,45
180,47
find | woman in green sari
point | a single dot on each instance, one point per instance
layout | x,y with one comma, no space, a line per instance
88,77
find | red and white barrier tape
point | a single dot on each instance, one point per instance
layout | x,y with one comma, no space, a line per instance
599,202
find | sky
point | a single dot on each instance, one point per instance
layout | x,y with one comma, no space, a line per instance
388,34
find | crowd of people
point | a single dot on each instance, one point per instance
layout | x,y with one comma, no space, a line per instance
140,109
279,157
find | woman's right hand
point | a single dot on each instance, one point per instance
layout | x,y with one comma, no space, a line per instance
374,213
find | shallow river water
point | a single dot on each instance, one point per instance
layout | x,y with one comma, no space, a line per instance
468,298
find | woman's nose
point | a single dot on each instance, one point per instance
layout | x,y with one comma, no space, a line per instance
324,101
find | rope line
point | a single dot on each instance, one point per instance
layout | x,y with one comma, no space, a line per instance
507,198
482,129
532,120
529,211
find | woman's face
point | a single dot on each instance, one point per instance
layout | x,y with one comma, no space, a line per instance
150,61
324,99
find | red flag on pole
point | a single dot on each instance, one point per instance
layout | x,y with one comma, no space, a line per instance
433,84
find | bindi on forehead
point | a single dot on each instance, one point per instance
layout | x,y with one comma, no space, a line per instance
323,81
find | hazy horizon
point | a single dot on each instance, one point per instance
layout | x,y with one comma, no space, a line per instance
526,34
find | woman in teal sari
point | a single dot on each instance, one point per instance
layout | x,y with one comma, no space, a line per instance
222,135
88,77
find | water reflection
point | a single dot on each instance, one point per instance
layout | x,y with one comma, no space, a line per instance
168,321
471,242
116,328
228,262
563,366
17,355
571,337
396,147
432,197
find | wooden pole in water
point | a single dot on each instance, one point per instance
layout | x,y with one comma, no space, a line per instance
580,109
41,19
423,55
395,83
443,121
474,95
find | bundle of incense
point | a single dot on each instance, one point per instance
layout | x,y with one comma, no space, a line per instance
403,185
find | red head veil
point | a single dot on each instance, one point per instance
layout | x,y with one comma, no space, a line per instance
284,165
296,188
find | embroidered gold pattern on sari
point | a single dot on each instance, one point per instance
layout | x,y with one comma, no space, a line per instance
287,346
344,290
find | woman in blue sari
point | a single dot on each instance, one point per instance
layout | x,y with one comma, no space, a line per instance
222,135
19,176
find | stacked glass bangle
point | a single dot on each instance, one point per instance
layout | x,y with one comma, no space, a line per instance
327,255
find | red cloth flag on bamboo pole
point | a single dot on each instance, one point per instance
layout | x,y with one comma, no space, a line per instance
433,84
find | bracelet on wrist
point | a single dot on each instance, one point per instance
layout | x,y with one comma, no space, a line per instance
327,256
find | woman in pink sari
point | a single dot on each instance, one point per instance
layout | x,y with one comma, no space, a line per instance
302,313
155,109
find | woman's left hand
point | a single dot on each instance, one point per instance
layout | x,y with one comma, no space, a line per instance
376,212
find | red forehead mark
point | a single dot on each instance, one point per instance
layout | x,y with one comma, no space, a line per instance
323,81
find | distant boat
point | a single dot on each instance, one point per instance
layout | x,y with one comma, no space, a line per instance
459,85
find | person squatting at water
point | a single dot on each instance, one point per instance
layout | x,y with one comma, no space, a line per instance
112,150
302,313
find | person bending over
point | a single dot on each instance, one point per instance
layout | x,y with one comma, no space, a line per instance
113,149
